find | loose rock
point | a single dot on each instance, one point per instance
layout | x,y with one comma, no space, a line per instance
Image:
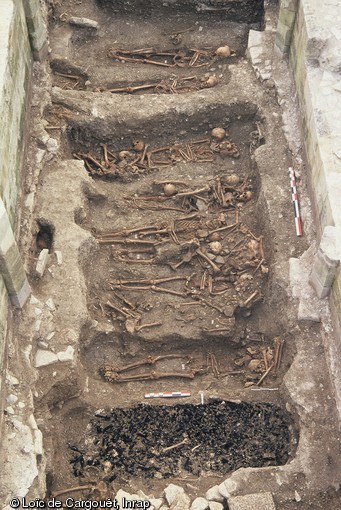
12,399
172,492
10,379
213,494
214,505
50,304
156,502
199,504
45,358
66,355
41,262
182,502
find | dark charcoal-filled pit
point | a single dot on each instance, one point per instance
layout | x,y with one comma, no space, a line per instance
164,441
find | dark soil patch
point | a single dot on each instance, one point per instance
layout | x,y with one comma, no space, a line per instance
219,436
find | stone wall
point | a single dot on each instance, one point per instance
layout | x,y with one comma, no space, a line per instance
15,64
309,31
315,56
22,38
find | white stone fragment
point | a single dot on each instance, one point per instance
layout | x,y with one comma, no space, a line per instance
83,22
120,495
182,502
41,262
48,317
255,38
21,405
66,355
199,504
265,76
59,257
20,466
31,422
52,145
34,300
50,335
10,379
227,488
213,494
156,502
43,345
172,492
12,399
255,53
297,497
45,358
40,153
50,304
38,442
27,353
29,200
37,312
214,505
37,325
10,410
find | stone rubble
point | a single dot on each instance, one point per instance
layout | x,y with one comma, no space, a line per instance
214,505
11,380
44,358
199,504
213,494
172,492
41,263
175,497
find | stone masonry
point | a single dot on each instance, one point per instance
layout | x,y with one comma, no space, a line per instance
315,55
11,266
22,35
309,30
287,16
36,28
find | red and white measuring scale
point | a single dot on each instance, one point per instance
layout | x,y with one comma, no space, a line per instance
168,394
294,196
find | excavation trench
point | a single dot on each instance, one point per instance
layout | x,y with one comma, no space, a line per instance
176,297
180,288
